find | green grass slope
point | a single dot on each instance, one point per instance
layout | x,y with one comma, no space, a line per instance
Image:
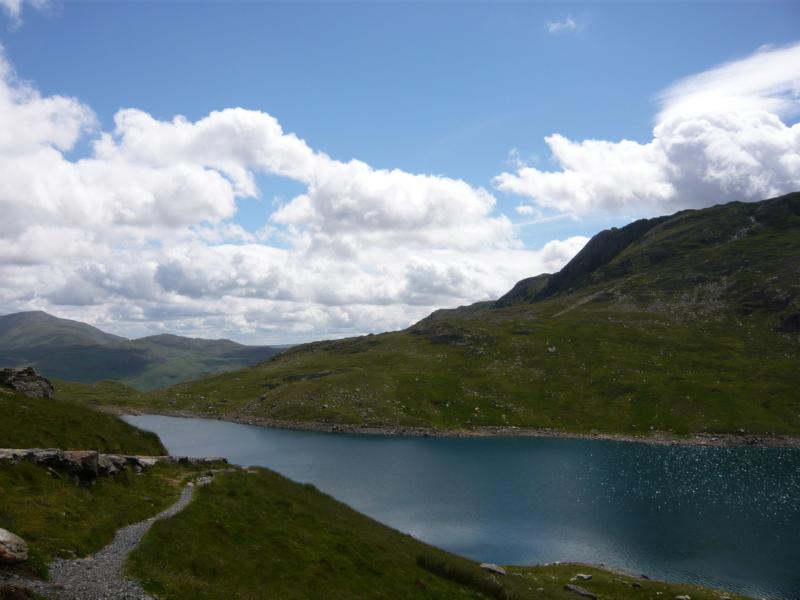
683,324
74,351
249,534
55,513
57,517
254,535
173,359
42,423
98,395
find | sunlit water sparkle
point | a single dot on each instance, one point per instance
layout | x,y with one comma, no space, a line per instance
725,517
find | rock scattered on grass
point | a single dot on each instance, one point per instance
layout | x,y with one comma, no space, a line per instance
493,568
580,591
13,548
87,465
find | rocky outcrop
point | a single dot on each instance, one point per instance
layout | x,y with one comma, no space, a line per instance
87,465
598,252
493,568
26,381
524,291
13,548
576,589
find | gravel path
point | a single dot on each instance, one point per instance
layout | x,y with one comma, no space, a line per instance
100,577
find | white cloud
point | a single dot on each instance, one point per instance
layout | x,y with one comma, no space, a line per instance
525,209
565,25
140,231
768,80
346,204
13,8
719,137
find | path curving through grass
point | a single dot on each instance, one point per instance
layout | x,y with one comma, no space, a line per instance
100,577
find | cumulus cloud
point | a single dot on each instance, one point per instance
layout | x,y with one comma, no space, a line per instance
139,232
346,204
719,136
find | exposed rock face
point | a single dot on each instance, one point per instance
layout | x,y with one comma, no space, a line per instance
26,381
524,291
13,548
599,251
87,465
580,591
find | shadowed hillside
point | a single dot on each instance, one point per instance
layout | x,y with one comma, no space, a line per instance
74,351
687,323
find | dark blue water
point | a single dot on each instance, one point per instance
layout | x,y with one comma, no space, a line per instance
725,517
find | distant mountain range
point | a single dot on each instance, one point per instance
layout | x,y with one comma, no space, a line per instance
74,351
685,323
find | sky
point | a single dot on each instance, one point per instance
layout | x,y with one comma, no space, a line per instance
282,172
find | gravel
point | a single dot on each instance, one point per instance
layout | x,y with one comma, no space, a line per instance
100,577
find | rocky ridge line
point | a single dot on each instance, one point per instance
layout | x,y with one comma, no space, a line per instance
87,465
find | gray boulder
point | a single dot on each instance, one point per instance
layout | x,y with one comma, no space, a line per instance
580,591
110,464
13,548
26,381
493,568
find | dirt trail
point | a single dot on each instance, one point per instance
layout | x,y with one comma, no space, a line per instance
100,577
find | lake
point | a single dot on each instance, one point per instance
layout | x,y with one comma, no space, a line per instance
724,517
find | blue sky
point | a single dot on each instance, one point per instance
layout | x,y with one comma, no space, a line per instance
442,88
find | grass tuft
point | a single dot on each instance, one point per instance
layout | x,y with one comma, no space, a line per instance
467,575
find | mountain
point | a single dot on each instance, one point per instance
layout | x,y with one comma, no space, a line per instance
686,323
74,351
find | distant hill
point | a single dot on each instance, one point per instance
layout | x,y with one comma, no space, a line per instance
74,351
686,323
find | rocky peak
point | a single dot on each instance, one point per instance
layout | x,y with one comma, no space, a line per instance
598,252
26,381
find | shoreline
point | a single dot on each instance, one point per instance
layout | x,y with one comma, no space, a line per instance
725,440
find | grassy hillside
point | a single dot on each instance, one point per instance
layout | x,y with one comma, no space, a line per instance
249,534
98,394
689,323
52,512
74,351
60,518
41,423
254,534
